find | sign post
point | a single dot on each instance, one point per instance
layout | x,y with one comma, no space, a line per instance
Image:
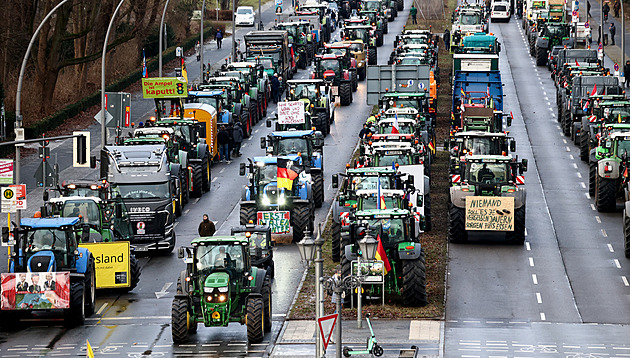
6,171
9,201
326,325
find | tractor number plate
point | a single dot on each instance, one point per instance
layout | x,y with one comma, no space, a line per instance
335,90
278,221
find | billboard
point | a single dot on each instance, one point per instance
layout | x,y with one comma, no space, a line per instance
111,260
35,290
164,87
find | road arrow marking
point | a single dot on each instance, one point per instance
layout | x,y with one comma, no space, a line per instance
163,292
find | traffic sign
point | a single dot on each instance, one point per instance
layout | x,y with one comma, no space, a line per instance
586,25
323,323
8,201
616,67
6,171
108,116
20,196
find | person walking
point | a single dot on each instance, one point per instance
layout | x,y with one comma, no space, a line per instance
413,12
606,10
237,135
224,141
198,50
612,30
447,39
230,130
206,227
219,37
275,88
365,131
626,73
617,7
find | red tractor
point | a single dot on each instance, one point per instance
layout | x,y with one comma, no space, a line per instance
330,68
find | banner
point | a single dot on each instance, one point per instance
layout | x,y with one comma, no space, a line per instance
278,221
164,87
372,271
35,290
112,264
291,112
490,213
6,171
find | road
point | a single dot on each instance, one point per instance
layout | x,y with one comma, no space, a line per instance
138,323
565,292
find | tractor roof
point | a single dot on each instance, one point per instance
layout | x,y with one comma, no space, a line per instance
205,93
381,213
219,240
404,95
65,199
384,192
612,103
338,45
489,158
293,134
480,134
305,81
241,64
371,171
622,135
43,223
274,160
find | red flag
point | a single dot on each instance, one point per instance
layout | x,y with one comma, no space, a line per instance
576,63
594,90
286,173
381,255
395,125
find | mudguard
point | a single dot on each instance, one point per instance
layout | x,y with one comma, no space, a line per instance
351,254
246,194
614,174
627,210
259,279
238,109
202,151
542,43
183,158
83,260
405,252
317,161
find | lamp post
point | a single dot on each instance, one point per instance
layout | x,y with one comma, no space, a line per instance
623,41
312,249
368,248
161,34
18,99
103,109
234,30
203,10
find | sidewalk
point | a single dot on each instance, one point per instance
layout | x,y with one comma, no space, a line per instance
297,338
611,51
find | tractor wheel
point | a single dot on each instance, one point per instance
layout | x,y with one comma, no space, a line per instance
626,234
414,282
246,124
267,303
379,38
134,266
90,288
75,315
354,81
566,122
606,194
255,319
247,214
427,213
322,123
207,175
385,27
532,45
517,236
318,189
541,56
584,148
185,188
178,208
400,4
261,104
345,92
179,320
300,221
361,73
395,12
336,240
197,179
345,272
272,269
253,111
457,224
592,178
372,56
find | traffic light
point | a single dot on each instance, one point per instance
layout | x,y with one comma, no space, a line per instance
81,149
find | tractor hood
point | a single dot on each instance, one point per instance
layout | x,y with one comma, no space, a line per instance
217,279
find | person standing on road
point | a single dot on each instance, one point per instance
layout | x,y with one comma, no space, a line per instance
198,50
206,227
413,12
230,130
224,141
447,39
612,30
275,88
365,131
626,73
237,134
336,281
219,37
616,7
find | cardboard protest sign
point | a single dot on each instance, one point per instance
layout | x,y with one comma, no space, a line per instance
490,213
291,112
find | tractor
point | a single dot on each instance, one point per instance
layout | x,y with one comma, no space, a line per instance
48,249
260,245
465,143
604,110
551,34
489,196
329,67
608,169
349,63
263,202
318,101
220,285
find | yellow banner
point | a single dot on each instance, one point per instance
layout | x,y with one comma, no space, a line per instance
112,263
164,87
490,213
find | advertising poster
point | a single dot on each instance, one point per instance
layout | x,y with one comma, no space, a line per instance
489,213
111,261
164,87
371,270
35,290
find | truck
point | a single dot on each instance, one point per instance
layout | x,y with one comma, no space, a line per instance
48,271
274,43
481,87
489,196
220,285
149,186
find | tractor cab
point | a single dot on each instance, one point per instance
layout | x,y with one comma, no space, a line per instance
260,244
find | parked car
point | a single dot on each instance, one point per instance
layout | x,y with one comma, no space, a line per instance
245,15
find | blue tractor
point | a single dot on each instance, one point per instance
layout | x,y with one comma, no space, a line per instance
307,144
49,270
263,203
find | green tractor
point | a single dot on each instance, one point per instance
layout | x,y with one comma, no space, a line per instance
318,101
608,169
551,34
302,39
488,194
404,263
220,285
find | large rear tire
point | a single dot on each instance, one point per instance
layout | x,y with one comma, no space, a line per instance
300,221
606,194
400,4
517,236
457,224
255,319
354,80
541,56
246,124
247,213
179,320
345,92
336,240
134,266
266,295
626,234
197,179
584,148
427,213
414,282
372,56
592,178
75,315
361,73
322,123
90,288
318,189
207,175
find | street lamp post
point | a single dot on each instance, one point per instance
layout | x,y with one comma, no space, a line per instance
161,35
18,98
623,40
308,250
234,30
103,109
368,248
203,10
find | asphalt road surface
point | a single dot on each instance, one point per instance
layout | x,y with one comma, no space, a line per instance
565,292
138,323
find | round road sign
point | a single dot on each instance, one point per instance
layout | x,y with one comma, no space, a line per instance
8,194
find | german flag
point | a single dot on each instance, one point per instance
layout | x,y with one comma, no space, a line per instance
381,255
286,173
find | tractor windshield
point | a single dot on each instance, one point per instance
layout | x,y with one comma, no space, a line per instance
487,173
142,191
371,202
46,239
292,146
412,61
332,65
337,51
481,145
391,231
356,47
619,115
371,183
417,41
623,147
556,31
388,158
371,5
403,128
228,257
87,209
213,101
304,90
469,19
267,173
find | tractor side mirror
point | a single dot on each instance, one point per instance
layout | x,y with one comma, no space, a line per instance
410,181
93,162
178,187
263,143
513,146
241,169
268,123
608,144
335,181
45,195
5,235
181,252
85,233
523,166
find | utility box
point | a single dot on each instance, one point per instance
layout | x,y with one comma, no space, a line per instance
118,104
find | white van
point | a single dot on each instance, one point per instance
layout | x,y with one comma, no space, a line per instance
500,11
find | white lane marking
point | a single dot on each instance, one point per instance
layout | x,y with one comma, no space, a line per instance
528,247
256,131
625,280
250,138
542,316
575,165
186,211
221,171
553,114
551,109
535,279
549,104
525,231
213,180
599,221
593,207
538,297
610,248
568,149
617,263
546,98
583,185
604,234
579,175
571,156
244,145
531,261
558,127
564,141
197,200
588,196
175,225
100,310
545,93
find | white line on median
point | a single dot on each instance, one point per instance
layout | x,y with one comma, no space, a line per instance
625,280
538,297
617,263
610,248
575,165
604,234
542,316
531,261
597,218
528,247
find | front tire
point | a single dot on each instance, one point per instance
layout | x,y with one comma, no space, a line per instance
75,315
300,221
606,194
318,189
372,56
179,320
197,179
517,236
247,213
336,240
626,234
414,290
255,320
345,92
457,225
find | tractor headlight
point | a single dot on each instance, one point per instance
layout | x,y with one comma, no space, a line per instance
223,289
281,199
222,298
266,200
207,289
